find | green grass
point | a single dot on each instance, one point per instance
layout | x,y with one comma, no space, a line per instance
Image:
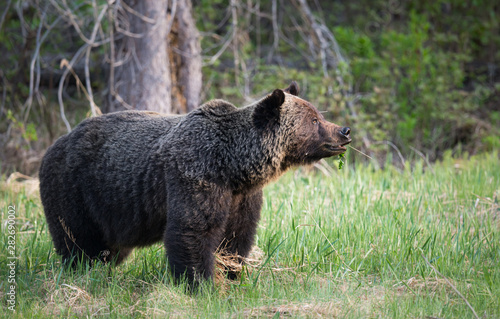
347,245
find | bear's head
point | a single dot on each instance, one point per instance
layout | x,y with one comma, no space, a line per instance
302,133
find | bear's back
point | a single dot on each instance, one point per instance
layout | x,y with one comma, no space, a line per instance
110,166
114,137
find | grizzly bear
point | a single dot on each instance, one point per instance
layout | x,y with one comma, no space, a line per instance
130,179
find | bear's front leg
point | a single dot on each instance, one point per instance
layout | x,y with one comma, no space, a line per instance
241,225
190,251
195,226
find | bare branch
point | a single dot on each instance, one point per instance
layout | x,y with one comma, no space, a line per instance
27,104
222,23
224,43
111,59
306,38
391,144
424,157
93,107
87,82
19,10
89,43
95,11
69,67
215,57
137,14
7,7
68,14
113,64
121,18
36,59
234,24
319,34
71,18
257,21
4,93
275,31
259,13
293,45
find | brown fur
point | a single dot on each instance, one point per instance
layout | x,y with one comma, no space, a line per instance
130,179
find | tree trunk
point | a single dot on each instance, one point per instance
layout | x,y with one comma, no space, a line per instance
153,68
186,52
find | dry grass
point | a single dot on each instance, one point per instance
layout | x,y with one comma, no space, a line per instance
345,298
161,296
18,183
225,264
70,299
428,286
330,309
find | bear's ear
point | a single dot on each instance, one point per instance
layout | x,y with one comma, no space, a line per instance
293,89
268,109
275,99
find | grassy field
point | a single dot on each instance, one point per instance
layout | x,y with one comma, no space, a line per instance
360,242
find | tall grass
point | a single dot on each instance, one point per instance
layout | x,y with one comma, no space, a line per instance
357,243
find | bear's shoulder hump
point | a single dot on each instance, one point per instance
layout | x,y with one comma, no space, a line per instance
218,107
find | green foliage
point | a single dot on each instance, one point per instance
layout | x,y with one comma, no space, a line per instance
417,81
341,160
423,74
28,131
420,67
491,142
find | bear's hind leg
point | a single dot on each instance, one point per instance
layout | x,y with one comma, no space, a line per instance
116,255
78,243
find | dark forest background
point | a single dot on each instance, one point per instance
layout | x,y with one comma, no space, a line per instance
411,78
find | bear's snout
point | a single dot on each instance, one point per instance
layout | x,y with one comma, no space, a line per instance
345,131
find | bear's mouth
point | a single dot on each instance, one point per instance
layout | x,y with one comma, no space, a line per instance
337,148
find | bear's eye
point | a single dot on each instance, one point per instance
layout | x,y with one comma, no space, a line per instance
315,121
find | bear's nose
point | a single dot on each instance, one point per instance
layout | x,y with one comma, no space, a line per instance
345,131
